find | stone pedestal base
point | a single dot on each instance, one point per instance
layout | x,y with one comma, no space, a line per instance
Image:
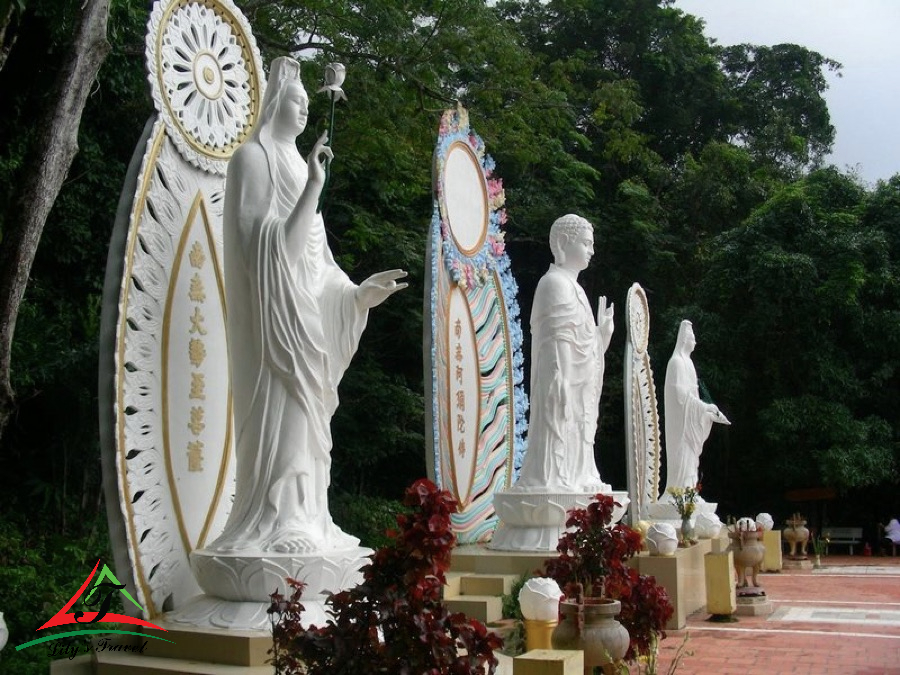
534,521
253,577
208,612
188,651
791,563
238,585
549,662
721,544
478,559
773,561
753,605
720,594
684,577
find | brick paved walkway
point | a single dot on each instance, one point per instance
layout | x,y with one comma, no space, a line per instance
843,619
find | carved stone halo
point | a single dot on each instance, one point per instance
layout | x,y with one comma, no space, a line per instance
638,318
204,74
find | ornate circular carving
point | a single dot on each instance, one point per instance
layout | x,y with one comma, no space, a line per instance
465,198
638,318
205,76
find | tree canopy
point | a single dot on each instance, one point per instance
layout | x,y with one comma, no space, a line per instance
700,165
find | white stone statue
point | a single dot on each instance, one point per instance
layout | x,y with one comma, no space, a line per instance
294,322
567,356
688,419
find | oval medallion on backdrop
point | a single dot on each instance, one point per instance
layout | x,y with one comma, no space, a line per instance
463,395
196,417
465,198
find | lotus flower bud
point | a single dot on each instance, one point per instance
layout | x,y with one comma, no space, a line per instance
334,79
539,599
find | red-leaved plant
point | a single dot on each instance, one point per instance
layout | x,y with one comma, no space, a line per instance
394,622
594,554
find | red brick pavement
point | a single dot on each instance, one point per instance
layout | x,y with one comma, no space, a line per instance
848,645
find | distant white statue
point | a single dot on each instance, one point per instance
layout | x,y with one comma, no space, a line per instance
688,419
294,322
567,357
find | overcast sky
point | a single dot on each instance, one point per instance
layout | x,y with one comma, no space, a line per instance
863,35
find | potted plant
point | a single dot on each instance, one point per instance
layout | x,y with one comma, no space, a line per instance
820,546
593,572
394,622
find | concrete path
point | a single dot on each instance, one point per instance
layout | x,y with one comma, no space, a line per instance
843,619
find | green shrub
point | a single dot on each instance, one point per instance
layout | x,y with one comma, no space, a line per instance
39,572
368,518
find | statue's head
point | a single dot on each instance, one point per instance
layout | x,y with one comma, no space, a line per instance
285,105
686,340
572,242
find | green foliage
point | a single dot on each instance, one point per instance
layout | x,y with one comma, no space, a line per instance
779,112
682,152
40,570
511,608
366,517
805,274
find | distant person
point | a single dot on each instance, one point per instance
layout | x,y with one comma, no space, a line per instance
891,535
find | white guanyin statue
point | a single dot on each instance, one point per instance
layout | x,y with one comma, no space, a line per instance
688,420
294,323
567,356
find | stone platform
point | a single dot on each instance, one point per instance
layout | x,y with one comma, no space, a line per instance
534,521
683,575
193,651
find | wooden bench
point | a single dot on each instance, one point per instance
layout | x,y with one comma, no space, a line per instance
843,535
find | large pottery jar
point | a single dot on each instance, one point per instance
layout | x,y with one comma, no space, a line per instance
748,551
797,535
592,627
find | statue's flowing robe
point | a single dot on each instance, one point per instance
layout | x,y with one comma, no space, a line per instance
566,379
687,422
293,326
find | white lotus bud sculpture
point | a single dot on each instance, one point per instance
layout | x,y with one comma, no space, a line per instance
662,539
707,525
765,520
539,599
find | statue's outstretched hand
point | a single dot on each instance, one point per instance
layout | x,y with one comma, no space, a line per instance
379,287
717,415
318,156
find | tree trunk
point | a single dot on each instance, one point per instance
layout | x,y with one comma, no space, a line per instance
42,177
7,36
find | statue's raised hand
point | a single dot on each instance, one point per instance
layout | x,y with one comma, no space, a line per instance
318,157
605,324
379,287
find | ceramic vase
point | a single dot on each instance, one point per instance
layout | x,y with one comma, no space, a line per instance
687,530
593,628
